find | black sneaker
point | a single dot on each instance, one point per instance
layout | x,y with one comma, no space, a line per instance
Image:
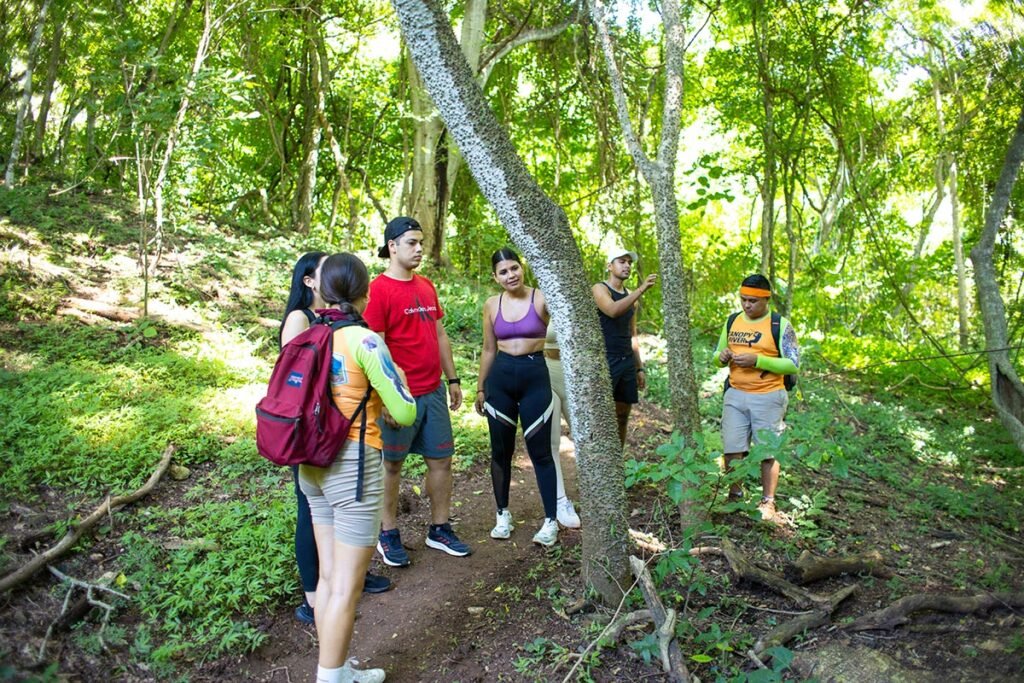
443,538
389,545
304,613
376,584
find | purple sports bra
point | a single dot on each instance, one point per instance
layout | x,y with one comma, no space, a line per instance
530,326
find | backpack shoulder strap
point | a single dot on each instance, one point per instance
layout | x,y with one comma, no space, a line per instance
310,315
730,321
776,325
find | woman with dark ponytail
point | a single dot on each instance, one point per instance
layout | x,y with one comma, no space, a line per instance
304,298
513,386
345,497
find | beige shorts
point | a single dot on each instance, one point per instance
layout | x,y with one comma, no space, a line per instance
746,416
332,495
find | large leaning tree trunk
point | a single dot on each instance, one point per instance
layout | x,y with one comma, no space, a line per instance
1007,390
540,229
660,174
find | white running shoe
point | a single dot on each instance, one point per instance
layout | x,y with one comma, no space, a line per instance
351,674
548,534
567,516
503,525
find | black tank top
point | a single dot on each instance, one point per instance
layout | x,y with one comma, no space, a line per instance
618,333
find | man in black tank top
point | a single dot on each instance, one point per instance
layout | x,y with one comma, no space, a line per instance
615,308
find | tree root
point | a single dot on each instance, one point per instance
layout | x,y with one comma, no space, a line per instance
784,632
664,620
745,569
899,612
613,631
72,537
809,568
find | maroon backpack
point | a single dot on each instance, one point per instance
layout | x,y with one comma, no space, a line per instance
297,421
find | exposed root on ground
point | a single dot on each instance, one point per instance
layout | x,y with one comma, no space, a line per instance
809,568
27,570
899,612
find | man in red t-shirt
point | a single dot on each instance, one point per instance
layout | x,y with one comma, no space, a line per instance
404,309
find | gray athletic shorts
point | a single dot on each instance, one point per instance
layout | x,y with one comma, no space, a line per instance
746,415
430,435
332,495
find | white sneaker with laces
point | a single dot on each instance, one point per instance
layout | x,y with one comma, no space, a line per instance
354,675
503,525
548,534
567,516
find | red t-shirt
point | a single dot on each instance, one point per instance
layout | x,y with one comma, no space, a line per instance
405,313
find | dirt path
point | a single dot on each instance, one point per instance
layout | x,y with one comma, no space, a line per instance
419,629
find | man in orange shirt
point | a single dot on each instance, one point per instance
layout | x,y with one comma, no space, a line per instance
755,400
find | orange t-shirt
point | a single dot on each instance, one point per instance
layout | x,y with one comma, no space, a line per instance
753,337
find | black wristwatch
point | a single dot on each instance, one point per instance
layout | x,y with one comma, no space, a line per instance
454,380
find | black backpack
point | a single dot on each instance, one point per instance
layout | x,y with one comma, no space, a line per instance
788,381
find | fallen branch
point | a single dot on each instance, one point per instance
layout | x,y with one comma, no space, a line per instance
810,568
899,612
664,621
72,537
89,589
745,569
784,632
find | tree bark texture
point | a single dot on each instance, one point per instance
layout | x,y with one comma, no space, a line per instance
1007,390
26,94
540,229
660,176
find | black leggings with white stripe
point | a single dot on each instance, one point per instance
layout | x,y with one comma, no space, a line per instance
517,388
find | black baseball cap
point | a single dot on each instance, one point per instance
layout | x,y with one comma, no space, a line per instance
396,228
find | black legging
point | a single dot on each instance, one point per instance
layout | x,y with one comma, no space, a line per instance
518,388
305,544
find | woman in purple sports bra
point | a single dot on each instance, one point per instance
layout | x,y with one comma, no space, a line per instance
513,386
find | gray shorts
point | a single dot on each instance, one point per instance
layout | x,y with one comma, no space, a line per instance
430,435
332,495
746,415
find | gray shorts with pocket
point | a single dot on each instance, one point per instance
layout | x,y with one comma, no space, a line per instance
746,415
332,495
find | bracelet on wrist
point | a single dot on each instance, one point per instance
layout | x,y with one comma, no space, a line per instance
454,380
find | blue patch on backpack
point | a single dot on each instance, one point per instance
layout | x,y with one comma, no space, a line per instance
295,379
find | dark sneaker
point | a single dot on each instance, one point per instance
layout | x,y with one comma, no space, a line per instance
443,538
304,613
389,545
376,584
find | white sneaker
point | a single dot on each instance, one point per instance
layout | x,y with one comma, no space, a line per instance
503,525
351,674
548,534
567,516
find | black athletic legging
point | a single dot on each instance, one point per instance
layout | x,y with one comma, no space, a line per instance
518,388
305,544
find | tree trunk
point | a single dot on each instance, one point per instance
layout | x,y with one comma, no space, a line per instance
202,49
1007,390
56,52
312,115
26,94
962,303
769,181
660,176
540,229
422,201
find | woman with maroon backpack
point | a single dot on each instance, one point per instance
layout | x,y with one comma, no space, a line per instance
303,299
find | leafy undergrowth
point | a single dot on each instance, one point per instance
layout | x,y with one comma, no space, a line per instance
91,394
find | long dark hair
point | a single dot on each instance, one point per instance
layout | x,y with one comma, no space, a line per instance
300,296
343,280
503,254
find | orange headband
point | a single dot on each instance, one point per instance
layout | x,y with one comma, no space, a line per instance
755,291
